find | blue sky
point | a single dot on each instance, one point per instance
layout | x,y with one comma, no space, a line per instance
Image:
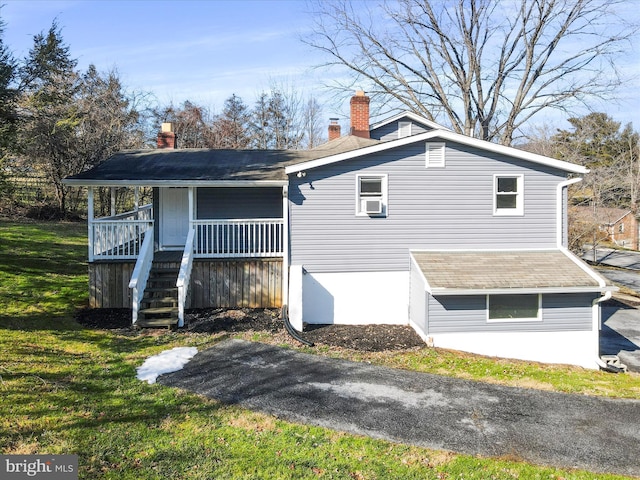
203,51
206,50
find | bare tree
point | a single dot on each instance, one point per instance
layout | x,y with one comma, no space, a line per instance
312,124
613,158
483,66
192,124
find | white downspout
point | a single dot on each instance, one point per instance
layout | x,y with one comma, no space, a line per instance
560,208
285,245
595,307
596,322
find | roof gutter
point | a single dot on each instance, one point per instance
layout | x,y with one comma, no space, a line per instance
72,182
517,290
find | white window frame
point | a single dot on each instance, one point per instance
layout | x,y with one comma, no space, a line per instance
519,208
402,127
435,155
537,318
383,197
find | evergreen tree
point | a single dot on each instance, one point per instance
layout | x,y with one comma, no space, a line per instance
49,84
231,129
8,98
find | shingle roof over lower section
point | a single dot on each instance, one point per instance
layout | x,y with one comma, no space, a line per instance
194,165
188,165
448,271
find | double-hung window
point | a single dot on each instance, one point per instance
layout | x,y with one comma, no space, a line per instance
371,195
508,195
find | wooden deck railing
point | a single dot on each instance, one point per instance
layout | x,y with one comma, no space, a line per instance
119,237
245,238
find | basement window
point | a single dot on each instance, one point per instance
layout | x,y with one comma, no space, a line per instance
514,307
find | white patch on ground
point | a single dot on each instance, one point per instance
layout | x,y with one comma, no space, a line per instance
165,362
383,393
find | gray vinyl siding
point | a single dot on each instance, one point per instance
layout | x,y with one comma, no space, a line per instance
560,312
390,131
434,208
229,203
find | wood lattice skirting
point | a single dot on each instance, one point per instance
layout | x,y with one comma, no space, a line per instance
253,283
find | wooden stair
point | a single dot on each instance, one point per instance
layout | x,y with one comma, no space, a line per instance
159,305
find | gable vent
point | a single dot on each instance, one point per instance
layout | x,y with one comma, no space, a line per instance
435,155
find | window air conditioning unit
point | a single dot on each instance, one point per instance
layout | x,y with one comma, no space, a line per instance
373,207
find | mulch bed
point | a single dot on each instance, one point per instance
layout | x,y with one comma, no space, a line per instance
371,338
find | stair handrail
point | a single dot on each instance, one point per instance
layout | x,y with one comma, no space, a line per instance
140,275
184,275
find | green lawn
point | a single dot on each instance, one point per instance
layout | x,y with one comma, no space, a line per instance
65,389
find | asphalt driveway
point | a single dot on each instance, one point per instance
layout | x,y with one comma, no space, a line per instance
620,333
576,431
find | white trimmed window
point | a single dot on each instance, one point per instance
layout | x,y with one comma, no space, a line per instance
434,155
514,308
371,195
508,195
404,129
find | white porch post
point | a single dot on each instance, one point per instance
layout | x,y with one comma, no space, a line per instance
285,245
90,221
136,200
113,201
192,208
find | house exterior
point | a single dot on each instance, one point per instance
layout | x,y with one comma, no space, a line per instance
616,225
400,222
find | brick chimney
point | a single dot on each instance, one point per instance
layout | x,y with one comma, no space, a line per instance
360,115
167,137
334,129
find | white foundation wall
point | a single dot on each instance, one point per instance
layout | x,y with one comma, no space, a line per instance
572,348
355,298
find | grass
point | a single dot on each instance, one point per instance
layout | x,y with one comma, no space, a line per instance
66,389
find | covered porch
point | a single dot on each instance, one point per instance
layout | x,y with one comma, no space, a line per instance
192,247
222,216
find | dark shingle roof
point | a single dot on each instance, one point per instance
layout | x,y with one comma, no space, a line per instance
203,165
489,270
194,164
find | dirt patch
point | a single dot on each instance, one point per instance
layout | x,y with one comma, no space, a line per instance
371,338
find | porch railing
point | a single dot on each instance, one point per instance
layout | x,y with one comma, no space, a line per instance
119,237
140,275
184,275
262,237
